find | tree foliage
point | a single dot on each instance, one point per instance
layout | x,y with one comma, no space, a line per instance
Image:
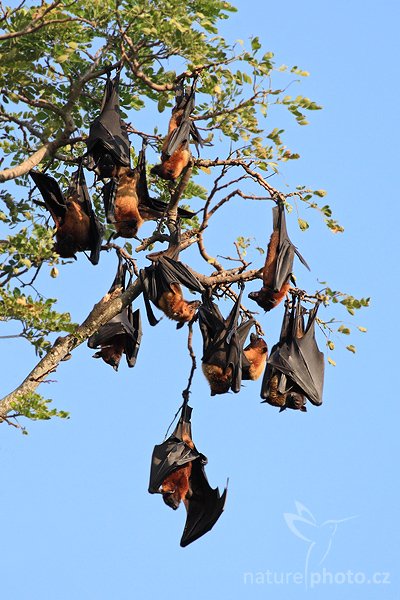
54,58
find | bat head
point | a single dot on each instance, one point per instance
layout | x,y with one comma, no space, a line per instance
163,171
264,298
296,401
128,228
257,342
112,353
104,161
66,247
187,311
171,499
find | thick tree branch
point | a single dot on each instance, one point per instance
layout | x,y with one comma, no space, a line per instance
101,313
31,162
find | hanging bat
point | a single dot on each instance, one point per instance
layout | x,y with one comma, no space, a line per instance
127,201
295,368
278,263
223,341
122,334
108,142
177,472
162,286
77,227
254,358
175,152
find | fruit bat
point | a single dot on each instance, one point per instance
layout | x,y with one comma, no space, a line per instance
278,263
127,202
177,472
122,334
254,358
175,151
108,142
223,341
77,227
162,286
295,368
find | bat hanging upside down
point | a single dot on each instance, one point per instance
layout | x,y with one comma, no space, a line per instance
225,363
255,357
176,487
127,201
177,472
175,152
162,286
76,225
278,264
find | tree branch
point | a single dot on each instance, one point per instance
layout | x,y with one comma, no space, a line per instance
101,313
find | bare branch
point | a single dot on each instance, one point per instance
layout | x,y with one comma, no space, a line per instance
233,109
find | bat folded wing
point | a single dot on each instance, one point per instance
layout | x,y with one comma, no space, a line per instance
204,507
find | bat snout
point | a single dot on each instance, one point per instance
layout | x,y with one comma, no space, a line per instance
170,500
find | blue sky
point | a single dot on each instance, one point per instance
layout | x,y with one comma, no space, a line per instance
77,521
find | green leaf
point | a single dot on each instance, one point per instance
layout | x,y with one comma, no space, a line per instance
343,329
303,224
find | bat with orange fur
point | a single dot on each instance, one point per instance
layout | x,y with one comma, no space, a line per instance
175,152
162,283
177,472
223,341
254,358
122,334
295,368
77,227
127,201
108,142
278,265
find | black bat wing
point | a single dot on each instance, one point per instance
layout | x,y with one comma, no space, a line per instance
223,339
179,136
182,133
301,361
160,208
286,250
109,193
125,324
204,507
312,380
118,325
149,285
285,336
78,188
107,132
51,193
156,207
235,355
133,340
172,453
166,458
173,271
213,329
